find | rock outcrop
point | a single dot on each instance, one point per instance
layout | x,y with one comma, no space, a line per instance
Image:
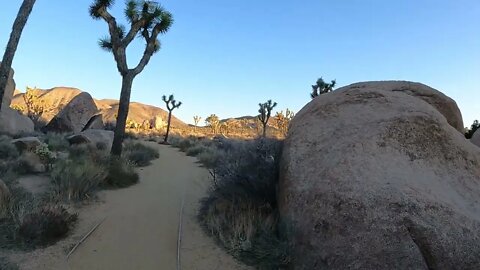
95,122
9,90
476,138
75,115
12,122
93,136
27,143
374,178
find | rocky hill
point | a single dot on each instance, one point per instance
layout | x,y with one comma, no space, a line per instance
55,99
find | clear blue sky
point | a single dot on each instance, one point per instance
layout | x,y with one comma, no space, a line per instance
225,57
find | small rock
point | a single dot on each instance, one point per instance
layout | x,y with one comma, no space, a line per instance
27,143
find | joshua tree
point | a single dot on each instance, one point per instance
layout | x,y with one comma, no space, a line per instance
172,104
265,113
214,122
147,20
283,120
18,25
321,87
196,120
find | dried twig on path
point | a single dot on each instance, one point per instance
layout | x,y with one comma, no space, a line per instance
85,237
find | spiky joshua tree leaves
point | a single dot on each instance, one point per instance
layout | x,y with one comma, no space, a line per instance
17,29
196,120
171,104
265,113
213,122
321,87
147,20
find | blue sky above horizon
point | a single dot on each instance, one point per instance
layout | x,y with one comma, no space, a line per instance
225,57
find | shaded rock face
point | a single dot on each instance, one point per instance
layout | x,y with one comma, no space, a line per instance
93,136
74,116
27,143
4,198
13,123
375,179
476,138
9,90
95,122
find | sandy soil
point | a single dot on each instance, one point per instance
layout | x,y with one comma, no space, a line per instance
140,228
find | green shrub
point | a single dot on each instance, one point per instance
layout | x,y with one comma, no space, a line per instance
8,150
77,179
196,150
121,173
140,154
240,210
56,142
101,146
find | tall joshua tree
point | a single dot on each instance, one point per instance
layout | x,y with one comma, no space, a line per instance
196,120
265,113
147,21
172,104
17,29
321,87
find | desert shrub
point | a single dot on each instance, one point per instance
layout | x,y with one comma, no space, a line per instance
46,156
56,141
240,211
140,154
46,224
121,173
89,151
196,150
8,150
77,179
5,264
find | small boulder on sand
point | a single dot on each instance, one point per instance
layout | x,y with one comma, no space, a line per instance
93,136
374,178
27,143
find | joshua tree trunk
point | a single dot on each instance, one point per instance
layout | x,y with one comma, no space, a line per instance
168,126
18,25
264,130
123,107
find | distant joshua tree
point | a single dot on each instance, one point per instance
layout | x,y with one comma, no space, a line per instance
321,87
17,29
283,120
147,21
196,120
214,122
265,113
172,104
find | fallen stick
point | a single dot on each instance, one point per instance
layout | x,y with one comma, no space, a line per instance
85,237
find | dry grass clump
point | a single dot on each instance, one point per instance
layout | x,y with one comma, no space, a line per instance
138,153
121,173
77,179
240,210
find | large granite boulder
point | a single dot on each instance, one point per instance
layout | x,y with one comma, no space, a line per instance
9,90
375,179
96,122
476,138
445,105
11,122
75,115
14,123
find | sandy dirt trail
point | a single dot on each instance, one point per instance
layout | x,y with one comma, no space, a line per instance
141,226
